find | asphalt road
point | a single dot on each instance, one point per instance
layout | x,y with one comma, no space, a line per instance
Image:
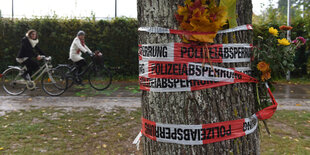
289,97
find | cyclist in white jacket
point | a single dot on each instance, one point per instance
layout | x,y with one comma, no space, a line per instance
77,47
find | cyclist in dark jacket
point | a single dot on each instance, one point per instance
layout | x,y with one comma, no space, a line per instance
26,53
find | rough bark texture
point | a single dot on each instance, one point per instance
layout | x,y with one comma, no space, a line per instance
198,107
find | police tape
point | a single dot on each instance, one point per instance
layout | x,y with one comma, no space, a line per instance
191,71
205,133
180,85
174,77
183,32
160,76
219,53
198,134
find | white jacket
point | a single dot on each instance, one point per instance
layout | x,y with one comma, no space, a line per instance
75,47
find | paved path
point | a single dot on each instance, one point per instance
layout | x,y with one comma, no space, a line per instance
13,103
289,98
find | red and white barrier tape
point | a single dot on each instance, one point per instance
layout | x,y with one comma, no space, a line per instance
160,76
181,52
191,71
238,28
182,32
205,133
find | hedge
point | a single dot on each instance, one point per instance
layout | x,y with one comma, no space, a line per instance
117,39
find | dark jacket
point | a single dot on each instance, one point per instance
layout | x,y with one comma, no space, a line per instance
27,51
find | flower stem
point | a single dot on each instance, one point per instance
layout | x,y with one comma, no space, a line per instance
264,121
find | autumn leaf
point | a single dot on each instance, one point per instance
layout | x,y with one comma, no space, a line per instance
187,2
231,10
186,26
200,17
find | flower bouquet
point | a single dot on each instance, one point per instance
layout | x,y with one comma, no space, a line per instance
273,57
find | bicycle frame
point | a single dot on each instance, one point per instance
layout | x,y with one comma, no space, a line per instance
42,70
38,74
89,66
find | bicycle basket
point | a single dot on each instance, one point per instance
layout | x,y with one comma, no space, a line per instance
98,58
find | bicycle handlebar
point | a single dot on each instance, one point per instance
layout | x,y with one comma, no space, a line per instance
46,58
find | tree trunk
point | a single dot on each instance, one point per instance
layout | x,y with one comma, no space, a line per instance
219,104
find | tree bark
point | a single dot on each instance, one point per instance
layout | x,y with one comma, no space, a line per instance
213,105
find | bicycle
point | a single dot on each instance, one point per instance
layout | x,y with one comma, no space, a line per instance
99,77
53,82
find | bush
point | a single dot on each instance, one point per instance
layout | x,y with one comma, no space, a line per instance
302,53
116,39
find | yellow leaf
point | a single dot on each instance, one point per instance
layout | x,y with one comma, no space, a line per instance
104,145
187,2
183,11
298,105
225,39
231,10
1,148
186,26
206,18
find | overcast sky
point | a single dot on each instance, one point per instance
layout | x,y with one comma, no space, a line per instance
82,8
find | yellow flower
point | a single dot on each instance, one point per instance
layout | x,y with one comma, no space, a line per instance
266,75
284,42
273,31
263,66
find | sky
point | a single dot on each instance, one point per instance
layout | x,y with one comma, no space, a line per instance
83,8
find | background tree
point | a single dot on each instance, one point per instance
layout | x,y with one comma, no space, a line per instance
198,107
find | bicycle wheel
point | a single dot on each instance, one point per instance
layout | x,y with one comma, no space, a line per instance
66,70
12,82
99,78
54,82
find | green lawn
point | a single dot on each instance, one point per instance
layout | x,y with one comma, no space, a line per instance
53,131
290,133
82,131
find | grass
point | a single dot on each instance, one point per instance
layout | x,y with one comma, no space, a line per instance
53,131
88,91
290,133
91,131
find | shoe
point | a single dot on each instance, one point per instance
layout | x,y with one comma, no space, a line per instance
79,81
